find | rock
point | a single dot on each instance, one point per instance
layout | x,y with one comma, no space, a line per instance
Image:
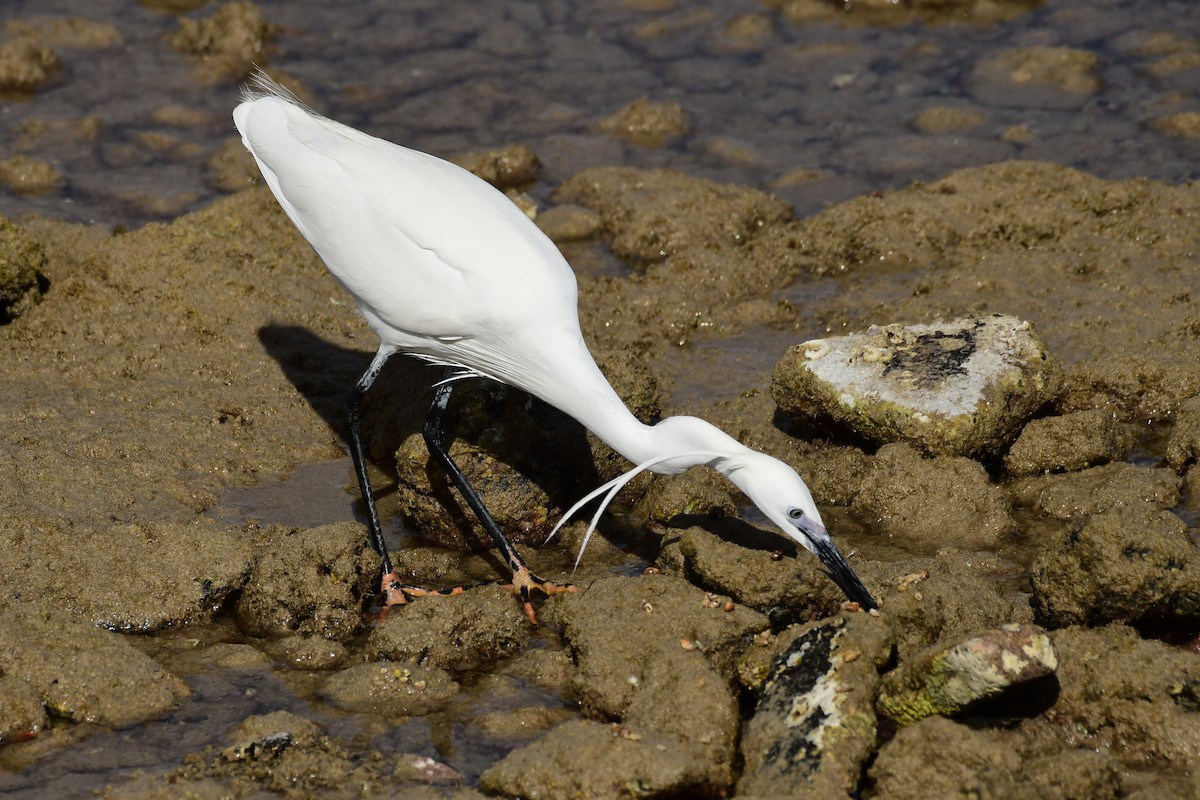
568,222
411,767
310,652
78,671
468,631
308,582
937,759
1183,444
698,492
504,168
676,646
271,733
949,678
25,175
1139,698
1037,77
592,759
813,727
1127,565
26,64
229,43
654,214
647,123
74,33
170,573
1184,125
947,119
231,167
391,689
742,562
22,712
946,598
1079,495
1068,443
22,260
928,504
963,387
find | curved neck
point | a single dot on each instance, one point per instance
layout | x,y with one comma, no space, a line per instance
575,385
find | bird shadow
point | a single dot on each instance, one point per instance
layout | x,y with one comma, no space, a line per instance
546,446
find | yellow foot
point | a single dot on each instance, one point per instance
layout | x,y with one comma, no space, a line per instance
525,582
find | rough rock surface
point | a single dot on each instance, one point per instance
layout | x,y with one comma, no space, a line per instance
813,727
959,387
1134,564
22,260
467,631
1068,443
78,672
928,504
309,582
676,645
391,688
172,573
950,678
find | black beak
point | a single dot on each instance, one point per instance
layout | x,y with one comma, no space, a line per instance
841,574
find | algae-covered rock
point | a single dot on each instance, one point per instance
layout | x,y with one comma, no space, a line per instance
950,678
26,64
467,631
1075,496
1183,445
229,43
1131,564
960,387
391,688
677,646
813,727
933,503
172,573
1138,697
504,168
593,759
81,672
647,123
938,758
21,262
309,582
1067,443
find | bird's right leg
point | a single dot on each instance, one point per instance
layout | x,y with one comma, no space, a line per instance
524,580
394,591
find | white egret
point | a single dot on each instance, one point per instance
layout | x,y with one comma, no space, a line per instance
446,268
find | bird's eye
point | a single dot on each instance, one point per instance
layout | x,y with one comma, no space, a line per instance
795,513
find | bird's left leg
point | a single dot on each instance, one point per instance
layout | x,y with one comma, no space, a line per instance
395,592
524,580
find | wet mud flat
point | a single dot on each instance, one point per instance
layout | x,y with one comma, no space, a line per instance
167,364
176,619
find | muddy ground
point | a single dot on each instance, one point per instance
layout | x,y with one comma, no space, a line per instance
164,365
150,377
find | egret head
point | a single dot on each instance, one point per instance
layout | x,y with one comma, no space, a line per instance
782,495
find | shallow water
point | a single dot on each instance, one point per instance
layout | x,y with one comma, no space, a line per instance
764,98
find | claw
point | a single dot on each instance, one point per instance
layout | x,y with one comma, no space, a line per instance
524,582
396,593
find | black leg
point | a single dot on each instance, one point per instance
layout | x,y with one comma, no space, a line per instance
394,592
352,412
435,439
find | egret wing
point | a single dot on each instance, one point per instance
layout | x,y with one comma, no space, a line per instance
427,247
